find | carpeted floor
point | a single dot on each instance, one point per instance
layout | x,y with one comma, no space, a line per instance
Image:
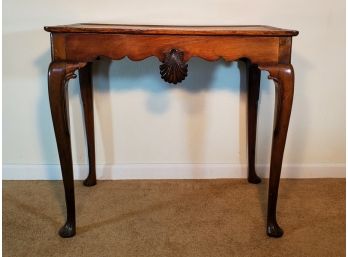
190,218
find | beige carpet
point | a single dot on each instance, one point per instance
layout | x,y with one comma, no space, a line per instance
176,218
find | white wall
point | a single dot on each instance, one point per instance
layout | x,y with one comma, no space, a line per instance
140,119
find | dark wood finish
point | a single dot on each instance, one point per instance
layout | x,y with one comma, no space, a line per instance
254,75
85,78
75,47
173,69
248,30
59,74
87,47
283,76
284,50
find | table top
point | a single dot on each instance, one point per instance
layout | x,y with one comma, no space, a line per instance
240,30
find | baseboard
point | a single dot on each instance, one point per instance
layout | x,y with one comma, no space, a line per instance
170,171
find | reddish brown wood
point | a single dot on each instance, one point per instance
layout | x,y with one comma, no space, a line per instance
75,46
248,30
59,74
284,50
283,76
87,47
86,88
58,47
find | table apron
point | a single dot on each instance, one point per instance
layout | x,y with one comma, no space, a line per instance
87,47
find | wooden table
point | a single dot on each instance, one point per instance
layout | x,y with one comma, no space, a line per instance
75,47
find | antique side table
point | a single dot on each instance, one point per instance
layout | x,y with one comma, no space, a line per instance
75,47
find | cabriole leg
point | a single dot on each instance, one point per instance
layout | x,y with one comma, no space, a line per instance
283,76
59,74
86,88
253,99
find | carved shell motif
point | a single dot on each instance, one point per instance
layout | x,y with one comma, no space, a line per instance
173,69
